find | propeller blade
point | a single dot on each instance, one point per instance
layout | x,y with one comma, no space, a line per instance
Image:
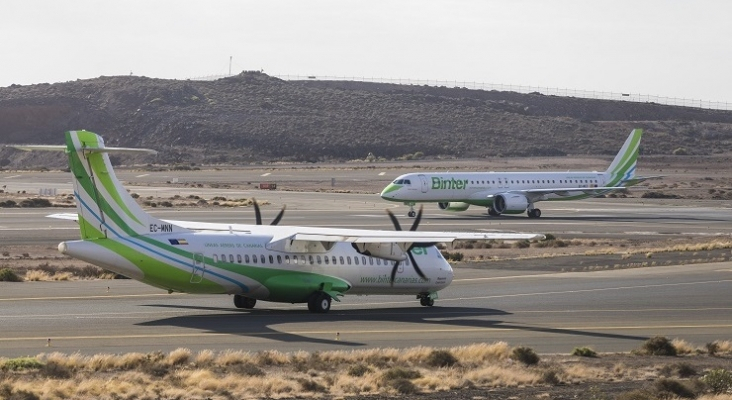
416,267
257,213
393,272
394,220
416,220
279,216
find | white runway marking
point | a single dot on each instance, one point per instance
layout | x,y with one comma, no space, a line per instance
142,176
14,176
266,174
382,173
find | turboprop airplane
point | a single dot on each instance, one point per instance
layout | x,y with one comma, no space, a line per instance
252,262
515,192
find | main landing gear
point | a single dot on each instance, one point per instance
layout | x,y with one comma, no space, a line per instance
244,302
319,303
533,213
426,300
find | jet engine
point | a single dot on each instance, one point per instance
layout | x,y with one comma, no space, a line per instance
453,206
509,203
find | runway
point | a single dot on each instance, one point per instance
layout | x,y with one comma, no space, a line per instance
608,311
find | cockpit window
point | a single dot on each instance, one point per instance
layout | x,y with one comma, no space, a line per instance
407,182
398,181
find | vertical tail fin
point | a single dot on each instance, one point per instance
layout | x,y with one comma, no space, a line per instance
623,166
104,206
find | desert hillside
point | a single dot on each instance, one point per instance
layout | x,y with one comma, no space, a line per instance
255,117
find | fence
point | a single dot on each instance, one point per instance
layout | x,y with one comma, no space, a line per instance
549,91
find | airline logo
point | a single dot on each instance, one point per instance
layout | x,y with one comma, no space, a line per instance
448,184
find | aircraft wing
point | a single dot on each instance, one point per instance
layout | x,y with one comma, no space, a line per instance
315,234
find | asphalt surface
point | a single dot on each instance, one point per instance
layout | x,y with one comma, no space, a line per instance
552,313
607,310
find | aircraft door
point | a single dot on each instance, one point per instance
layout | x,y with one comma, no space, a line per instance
424,185
199,268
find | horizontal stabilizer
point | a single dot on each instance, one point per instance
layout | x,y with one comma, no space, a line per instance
127,150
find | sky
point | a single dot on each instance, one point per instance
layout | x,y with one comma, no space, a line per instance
670,48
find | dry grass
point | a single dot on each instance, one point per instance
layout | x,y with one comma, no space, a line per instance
182,374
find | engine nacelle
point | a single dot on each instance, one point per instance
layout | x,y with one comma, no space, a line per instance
509,203
453,206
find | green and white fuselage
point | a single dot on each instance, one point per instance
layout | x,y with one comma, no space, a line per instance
253,262
515,192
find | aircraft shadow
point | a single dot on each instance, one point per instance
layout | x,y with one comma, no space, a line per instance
261,323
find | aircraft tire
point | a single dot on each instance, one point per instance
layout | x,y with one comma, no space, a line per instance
319,303
411,214
244,302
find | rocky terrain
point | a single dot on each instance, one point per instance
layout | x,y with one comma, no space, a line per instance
253,117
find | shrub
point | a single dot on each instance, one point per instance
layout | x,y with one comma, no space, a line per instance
584,352
522,244
401,373
404,386
456,256
674,387
309,385
712,348
441,358
358,370
20,364
525,355
549,236
685,370
8,275
551,377
658,346
32,203
718,380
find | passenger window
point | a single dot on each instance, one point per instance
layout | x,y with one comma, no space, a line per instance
216,258
246,258
355,260
349,260
261,258
310,258
371,261
254,259
231,258
363,260
287,259
279,259
334,260
318,259
378,261
271,259
341,260
327,261
223,258
238,258
294,260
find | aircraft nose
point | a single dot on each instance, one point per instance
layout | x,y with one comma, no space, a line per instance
389,192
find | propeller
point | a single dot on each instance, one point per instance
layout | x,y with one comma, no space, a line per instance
398,227
258,214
